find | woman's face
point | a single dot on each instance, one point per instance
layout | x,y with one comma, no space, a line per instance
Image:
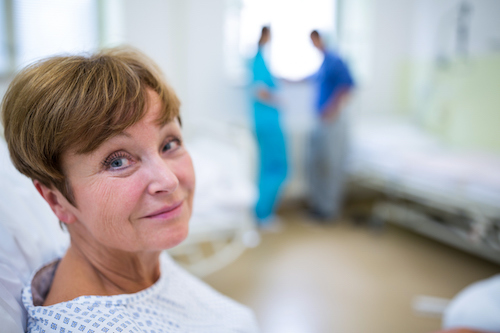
135,192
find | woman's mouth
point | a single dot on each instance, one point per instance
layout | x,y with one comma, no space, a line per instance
166,212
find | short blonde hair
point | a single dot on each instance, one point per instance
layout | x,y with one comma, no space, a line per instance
77,102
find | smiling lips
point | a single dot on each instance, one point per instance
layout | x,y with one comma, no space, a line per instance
167,212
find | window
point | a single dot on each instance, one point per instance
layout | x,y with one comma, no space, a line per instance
34,29
290,53
42,28
4,39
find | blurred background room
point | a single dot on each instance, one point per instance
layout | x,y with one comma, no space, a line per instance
421,213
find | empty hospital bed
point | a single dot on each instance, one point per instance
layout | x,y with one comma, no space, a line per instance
447,194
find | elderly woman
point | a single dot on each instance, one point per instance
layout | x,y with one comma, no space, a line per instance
100,137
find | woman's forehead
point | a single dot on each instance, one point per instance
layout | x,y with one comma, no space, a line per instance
156,111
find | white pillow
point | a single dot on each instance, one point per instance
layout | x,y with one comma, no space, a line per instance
29,237
476,307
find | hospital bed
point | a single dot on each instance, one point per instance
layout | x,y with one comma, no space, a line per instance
221,227
447,194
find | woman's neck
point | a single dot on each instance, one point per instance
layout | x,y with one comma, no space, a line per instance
124,271
102,272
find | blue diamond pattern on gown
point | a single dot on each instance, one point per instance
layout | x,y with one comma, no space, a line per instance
177,302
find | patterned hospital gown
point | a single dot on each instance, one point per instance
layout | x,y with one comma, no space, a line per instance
177,302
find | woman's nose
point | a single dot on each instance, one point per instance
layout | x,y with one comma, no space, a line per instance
163,179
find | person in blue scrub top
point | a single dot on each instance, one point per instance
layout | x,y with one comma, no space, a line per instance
270,139
327,153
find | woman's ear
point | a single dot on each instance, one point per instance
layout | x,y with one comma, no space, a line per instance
57,202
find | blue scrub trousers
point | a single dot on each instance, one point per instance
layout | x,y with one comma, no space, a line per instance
272,158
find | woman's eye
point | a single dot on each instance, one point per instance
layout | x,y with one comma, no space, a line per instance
118,163
171,145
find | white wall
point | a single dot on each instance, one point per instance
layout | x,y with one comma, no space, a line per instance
385,29
158,28
185,37
457,98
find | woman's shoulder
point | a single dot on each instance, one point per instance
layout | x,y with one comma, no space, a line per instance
44,293
63,280
84,313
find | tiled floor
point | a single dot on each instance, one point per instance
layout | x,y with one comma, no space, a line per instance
345,278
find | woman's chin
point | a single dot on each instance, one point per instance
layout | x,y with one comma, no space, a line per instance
171,239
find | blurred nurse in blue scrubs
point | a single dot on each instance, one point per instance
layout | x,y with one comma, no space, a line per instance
272,151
